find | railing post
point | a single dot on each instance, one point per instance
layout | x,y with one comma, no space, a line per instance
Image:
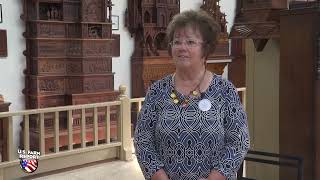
10,151
1,174
42,135
244,99
125,125
26,133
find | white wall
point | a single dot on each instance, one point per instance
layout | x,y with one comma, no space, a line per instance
229,8
11,67
121,65
190,4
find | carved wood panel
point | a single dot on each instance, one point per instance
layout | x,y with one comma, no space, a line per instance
92,11
100,48
88,66
42,66
45,85
34,102
318,59
53,30
89,84
46,48
74,30
71,11
3,43
73,49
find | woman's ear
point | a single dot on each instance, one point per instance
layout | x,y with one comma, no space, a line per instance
205,51
169,50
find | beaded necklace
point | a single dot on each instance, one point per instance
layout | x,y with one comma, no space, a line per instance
194,92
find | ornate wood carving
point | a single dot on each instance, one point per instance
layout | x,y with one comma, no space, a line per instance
69,55
258,20
147,21
3,43
213,8
45,66
43,101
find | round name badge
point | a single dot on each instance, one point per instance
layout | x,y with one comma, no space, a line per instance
204,105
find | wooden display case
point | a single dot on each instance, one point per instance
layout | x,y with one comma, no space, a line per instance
69,59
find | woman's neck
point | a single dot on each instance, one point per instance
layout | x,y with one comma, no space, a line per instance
190,74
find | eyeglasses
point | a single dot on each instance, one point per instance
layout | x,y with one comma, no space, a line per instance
189,43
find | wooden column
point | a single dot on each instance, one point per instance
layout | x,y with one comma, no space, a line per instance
299,86
4,106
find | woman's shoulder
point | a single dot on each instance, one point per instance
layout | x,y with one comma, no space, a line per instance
161,84
222,83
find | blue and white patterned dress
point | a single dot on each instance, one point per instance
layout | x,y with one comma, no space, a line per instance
187,142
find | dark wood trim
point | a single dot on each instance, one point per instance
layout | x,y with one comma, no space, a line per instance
115,45
3,43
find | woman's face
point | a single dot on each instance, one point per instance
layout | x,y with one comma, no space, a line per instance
186,48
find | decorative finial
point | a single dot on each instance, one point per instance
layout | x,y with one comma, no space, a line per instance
122,89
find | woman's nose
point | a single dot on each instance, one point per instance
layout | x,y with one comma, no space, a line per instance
183,45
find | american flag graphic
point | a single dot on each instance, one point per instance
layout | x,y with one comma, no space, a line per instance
29,165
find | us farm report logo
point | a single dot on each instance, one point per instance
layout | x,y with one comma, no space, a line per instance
28,160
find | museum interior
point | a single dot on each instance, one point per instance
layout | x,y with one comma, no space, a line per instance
74,74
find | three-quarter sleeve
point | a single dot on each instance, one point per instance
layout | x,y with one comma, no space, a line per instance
144,137
236,137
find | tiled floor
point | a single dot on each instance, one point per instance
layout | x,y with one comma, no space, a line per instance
115,170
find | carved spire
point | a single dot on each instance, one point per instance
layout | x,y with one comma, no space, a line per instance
212,7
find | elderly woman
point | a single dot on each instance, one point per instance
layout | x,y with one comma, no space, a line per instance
192,125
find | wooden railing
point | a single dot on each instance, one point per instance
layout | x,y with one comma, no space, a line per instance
243,92
120,149
115,149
